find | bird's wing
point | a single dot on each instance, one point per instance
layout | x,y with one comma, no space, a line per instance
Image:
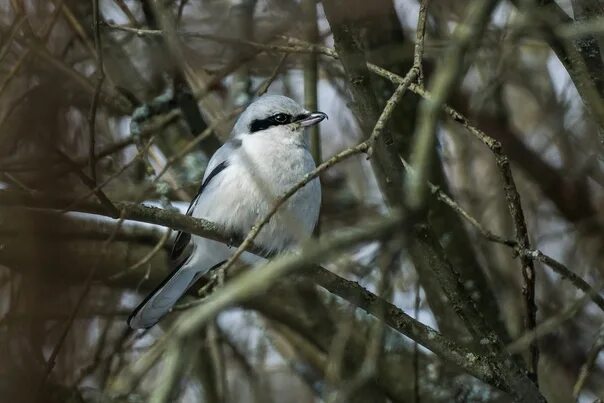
183,239
184,258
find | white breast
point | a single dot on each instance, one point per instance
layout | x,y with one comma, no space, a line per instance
260,171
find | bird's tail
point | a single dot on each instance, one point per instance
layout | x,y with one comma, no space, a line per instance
162,299
205,255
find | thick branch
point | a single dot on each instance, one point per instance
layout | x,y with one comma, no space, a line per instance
385,162
395,318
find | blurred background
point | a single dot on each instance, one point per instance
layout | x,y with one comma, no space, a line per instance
104,101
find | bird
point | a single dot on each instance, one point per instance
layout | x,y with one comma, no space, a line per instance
266,155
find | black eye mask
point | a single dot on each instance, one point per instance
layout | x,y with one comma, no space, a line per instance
274,120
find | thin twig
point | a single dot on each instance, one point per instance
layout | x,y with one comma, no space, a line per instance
416,72
75,24
13,31
445,77
145,259
17,182
416,374
528,266
97,359
50,364
420,34
362,147
590,362
311,76
105,201
549,325
223,39
376,335
565,272
98,188
173,363
267,83
533,254
97,92
190,146
44,34
122,5
388,109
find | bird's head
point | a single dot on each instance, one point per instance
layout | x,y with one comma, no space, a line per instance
275,115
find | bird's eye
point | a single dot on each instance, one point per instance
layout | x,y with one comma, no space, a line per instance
281,118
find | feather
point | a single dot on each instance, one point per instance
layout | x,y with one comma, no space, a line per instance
183,274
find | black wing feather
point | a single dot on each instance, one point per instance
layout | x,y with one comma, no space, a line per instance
183,238
182,242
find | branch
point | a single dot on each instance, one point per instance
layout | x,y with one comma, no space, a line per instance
345,28
514,206
388,172
535,254
563,271
128,210
446,76
97,92
406,325
311,75
394,317
590,362
255,282
551,324
570,196
581,57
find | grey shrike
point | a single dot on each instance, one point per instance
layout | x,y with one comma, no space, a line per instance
266,155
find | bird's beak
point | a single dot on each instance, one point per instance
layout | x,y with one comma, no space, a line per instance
312,119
